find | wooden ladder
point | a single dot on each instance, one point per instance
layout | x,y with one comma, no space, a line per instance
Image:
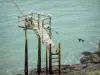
55,58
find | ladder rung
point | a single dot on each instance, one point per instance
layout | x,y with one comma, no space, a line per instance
25,27
56,70
54,61
21,26
54,53
55,58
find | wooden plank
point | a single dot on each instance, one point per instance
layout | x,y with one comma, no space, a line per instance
43,34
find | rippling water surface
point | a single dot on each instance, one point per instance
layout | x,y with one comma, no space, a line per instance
71,18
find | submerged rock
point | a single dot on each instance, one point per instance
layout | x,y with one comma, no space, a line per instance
86,53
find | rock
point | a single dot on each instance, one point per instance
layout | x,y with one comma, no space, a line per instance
95,58
89,62
98,53
81,66
19,74
91,58
86,53
65,67
84,60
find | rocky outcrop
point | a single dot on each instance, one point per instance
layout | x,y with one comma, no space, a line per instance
88,62
90,58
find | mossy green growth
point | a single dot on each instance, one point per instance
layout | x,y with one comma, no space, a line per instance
94,73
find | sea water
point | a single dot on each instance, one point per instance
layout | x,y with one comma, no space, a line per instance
72,19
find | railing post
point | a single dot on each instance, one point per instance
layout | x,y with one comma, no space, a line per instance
50,33
26,54
32,19
59,48
42,29
50,60
38,21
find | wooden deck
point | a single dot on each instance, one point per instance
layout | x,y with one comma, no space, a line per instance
41,31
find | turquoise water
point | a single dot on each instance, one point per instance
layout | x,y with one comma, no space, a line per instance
71,18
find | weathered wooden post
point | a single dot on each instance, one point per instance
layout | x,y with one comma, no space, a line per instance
39,48
38,21
50,33
42,29
50,60
50,55
46,60
59,48
26,54
46,50
39,54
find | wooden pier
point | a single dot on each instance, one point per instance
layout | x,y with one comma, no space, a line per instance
41,25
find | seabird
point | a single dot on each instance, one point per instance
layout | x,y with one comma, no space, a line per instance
81,40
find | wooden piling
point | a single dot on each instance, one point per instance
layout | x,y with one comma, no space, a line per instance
39,55
59,48
46,60
50,56
50,60
26,54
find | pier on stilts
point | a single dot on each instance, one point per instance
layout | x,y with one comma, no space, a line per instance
41,25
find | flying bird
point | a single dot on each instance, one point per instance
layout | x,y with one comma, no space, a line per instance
81,40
